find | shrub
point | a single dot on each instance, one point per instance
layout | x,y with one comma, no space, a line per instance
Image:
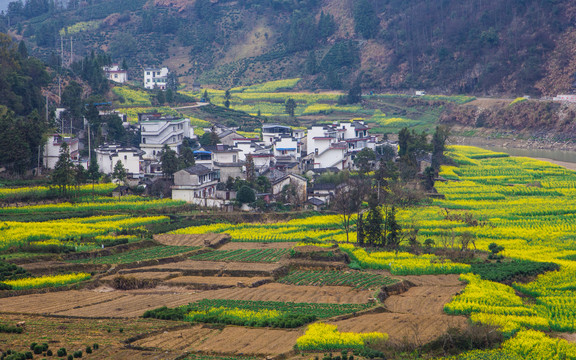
95,346
77,354
38,349
61,352
70,357
88,350
49,353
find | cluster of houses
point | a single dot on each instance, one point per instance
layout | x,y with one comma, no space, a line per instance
154,78
282,154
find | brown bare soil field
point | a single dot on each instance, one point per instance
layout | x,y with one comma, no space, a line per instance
49,267
422,300
282,292
415,329
215,280
130,305
192,239
51,303
248,341
257,245
432,280
205,268
150,275
182,339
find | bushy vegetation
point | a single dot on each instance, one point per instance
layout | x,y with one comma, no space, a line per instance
511,270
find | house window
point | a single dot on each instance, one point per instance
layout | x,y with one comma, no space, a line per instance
147,72
233,158
143,140
125,157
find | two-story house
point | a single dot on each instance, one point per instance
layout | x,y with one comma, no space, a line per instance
115,73
197,185
156,78
52,149
108,155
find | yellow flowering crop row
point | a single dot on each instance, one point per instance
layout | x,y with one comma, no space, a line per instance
320,336
46,281
402,263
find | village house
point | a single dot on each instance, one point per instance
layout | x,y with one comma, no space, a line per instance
108,155
52,149
198,185
157,130
115,73
156,78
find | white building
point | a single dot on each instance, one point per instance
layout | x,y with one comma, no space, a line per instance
287,146
52,149
271,132
115,73
156,78
108,155
332,145
197,185
157,130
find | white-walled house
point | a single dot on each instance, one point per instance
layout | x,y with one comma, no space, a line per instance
108,155
271,132
197,185
156,78
52,149
287,146
157,130
115,73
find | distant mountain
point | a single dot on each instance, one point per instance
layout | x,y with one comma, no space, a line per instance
513,47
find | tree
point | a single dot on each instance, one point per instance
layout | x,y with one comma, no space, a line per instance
250,169
311,65
172,82
169,161
64,171
355,93
119,173
290,105
366,22
392,229
439,140
186,158
93,173
245,195
372,226
160,97
363,160
227,97
206,97
347,202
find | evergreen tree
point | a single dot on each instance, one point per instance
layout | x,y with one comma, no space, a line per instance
392,229
290,106
372,226
311,65
22,49
160,97
119,173
169,161
245,195
186,158
64,171
326,25
206,97
366,22
439,140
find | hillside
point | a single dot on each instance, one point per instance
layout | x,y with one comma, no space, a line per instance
473,47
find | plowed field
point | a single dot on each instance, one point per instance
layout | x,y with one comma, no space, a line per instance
191,239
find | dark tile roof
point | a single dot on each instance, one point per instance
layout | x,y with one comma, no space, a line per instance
198,170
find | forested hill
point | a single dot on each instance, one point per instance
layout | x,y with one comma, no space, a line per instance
450,46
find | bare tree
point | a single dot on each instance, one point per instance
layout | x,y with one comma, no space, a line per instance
348,200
